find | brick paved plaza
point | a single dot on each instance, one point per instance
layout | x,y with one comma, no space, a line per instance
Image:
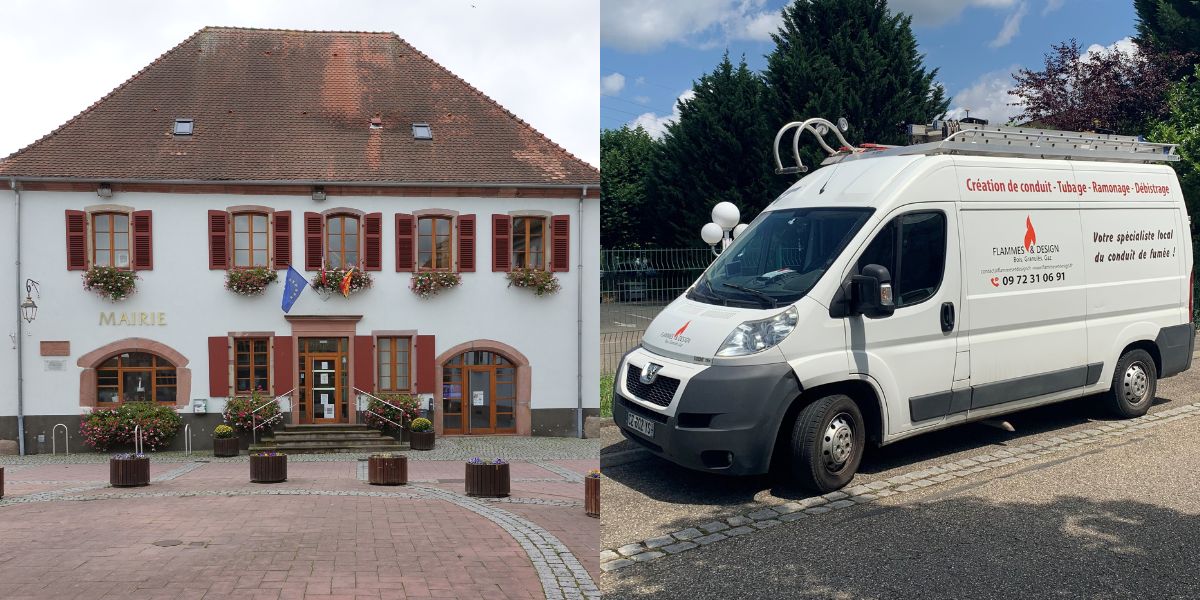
202,530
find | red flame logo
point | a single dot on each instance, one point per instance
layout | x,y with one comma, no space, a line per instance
1030,234
682,329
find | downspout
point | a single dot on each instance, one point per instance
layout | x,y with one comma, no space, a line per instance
579,318
20,328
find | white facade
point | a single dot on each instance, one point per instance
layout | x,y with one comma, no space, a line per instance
557,333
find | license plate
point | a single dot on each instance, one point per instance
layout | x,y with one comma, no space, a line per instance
640,424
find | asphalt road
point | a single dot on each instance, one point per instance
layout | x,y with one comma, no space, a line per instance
1117,518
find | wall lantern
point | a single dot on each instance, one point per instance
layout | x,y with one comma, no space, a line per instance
29,307
724,228
104,191
318,193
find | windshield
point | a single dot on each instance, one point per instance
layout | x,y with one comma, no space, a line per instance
780,257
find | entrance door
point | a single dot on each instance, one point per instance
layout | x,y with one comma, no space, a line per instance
324,393
479,394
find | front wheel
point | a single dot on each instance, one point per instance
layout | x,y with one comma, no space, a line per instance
827,443
1134,384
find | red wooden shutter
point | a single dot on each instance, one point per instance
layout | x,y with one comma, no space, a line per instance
218,367
314,247
218,239
282,364
373,242
405,242
466,243
426,383
283,239
501,243
77,258
364,363
143,240
560,243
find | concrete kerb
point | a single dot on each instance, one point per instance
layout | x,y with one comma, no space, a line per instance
629,554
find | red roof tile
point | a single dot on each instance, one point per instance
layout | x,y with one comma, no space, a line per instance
281,105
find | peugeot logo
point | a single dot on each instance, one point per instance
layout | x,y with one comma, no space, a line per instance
650,373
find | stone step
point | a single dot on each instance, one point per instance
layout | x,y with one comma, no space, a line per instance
328,428
267,442
312,436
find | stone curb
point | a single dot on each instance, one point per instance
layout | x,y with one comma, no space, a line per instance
614,559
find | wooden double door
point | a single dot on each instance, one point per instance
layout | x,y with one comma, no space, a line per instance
324,392
479,394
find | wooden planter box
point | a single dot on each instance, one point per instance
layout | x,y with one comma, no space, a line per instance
268,469
226,446
387,471
129,472
487,481
421,440
591,496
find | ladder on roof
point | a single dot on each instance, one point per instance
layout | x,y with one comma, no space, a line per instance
955,137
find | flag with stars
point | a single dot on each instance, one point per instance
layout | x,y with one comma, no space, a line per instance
293,285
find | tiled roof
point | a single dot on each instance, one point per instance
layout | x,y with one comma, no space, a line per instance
281,105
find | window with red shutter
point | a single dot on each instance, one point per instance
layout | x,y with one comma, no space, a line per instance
76,240
373,242
466,243
405,244
560,243
283,239
314,249
143,240
426,367
501,243
364,363
218,367
218,239
282,365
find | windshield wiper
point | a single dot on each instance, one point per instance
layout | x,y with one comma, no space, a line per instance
770,301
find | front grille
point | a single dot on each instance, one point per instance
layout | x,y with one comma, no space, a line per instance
661,392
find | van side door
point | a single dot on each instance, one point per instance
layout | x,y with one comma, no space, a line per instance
910,354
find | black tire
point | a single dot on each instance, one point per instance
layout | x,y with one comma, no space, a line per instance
1134,384
814,435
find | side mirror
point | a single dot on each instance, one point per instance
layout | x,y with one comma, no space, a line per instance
871,292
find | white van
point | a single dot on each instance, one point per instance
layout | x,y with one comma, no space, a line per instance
903,290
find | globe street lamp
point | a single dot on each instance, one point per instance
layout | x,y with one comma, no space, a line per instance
724,227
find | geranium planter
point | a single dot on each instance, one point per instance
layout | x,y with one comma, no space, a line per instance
487,480
129,472
387,470
268,469
421,440
226,446
591,496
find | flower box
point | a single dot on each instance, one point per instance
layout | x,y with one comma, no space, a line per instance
129,471
387,470
487,480
268,468
591,496
421,440
226,446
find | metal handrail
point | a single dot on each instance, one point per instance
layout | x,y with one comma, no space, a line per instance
370,395
54,439
139,446
255,425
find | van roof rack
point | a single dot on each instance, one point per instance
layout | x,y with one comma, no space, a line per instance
957,137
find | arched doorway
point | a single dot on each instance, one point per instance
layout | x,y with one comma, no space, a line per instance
485,390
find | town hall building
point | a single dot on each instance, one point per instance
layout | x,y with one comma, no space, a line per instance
259,150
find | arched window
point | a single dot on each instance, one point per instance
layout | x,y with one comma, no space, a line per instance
341,241
135,376
479,394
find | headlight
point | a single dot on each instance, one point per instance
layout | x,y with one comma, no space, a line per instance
756,336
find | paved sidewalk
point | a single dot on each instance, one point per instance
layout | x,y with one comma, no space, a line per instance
202,530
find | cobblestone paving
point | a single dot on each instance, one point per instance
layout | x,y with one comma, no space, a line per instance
563,472
714,531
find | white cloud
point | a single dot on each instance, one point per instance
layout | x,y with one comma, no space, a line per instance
656,125
548,79
987,98
642,99
1052,5
640,80
646,25
933,13
612,84
1125,45
1011,27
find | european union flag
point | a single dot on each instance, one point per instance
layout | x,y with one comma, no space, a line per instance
292,286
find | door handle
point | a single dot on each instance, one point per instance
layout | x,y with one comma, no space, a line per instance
947,316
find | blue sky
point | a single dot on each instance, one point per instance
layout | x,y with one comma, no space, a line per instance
652,50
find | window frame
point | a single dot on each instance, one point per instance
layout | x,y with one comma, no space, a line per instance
157,364
898,246
545,253
233,243
392,368
112,238
358,233
268,354
451,237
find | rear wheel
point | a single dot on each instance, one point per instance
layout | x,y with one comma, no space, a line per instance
1134,384
827,443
